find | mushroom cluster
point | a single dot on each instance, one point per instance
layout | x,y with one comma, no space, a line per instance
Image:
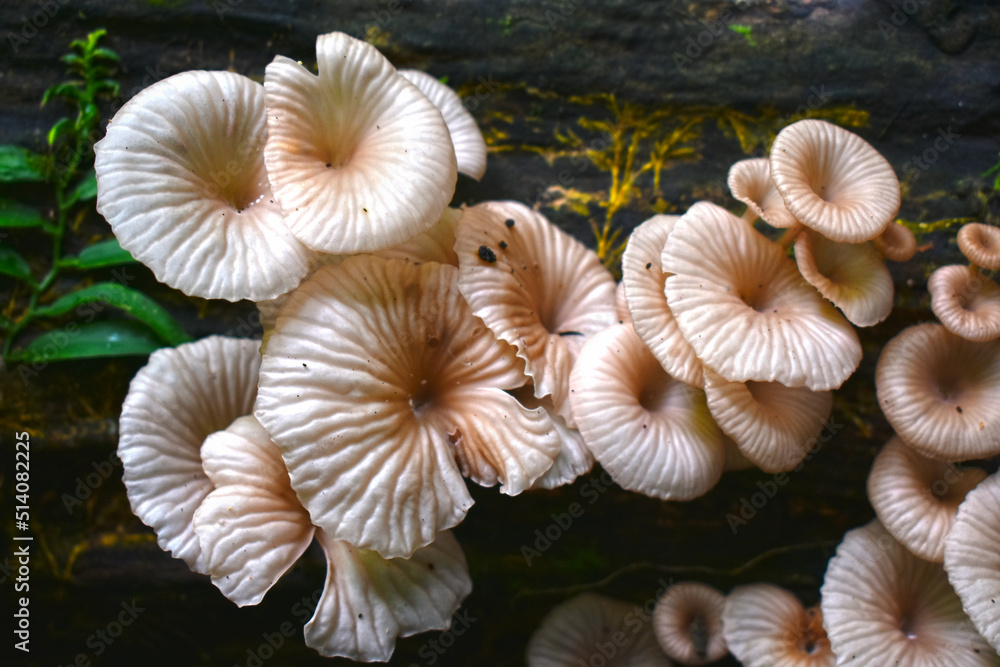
409,347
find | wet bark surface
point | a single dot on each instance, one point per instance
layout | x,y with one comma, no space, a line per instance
546,81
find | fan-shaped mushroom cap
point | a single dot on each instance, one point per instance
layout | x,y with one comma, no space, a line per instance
536,288
251,527
470,147
577,630
745,309
688,623
766,626
916,498
359,159
437,244
653,434
833,181
851,275
378,384
972,557
174,402
884,606
574,458
967,303
770,423
643,279
896,243
750,182
941,393
181,181
980,244
621,305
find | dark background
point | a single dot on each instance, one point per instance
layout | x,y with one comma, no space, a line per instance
911,69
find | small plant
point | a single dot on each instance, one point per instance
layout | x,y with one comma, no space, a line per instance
38,298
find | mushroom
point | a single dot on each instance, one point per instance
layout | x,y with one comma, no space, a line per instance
896,243
980,244
252,528
382,390
833,181
653,434
851,275
884,606
770,423
967,304
972,557
687,621
470,147
766,626
437,244
174,402
181,181
750,182
643,279
536,288
359,159
941,393
592,629
745,309
916,498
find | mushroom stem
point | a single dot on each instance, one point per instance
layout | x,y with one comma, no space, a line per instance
788,238
750,216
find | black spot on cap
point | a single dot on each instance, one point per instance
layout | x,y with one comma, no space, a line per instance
509,222
486,254
503,245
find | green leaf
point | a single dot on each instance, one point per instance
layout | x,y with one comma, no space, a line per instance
61,127
12,264
133,302
69,89
115,338
101,52
15,214
19,165
85,190
99,255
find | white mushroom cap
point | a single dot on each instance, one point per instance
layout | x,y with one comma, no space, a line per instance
251,527
382,389
967,303
536,288
575,631
746,311
687,621
359,159
174,402
470,147
972,557
916,498
896,243
833,181
181,181
941,393
643,279
980,244
766,626
851,275
653,434
770,423
884,606
750,182
437,244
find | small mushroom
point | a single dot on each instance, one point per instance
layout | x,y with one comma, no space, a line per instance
896,243
980,244
766,626
687,621
967,303
750,182
833,181
359,159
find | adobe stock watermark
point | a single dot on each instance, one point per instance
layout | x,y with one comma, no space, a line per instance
918,164
380,19
748,507
102,638
432,650
633,623
273,641
562,521
901,13
696,45
31,25
86,485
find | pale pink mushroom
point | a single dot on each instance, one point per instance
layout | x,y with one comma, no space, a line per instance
967,303
980,244
896,243
359,159
750,182
687,621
